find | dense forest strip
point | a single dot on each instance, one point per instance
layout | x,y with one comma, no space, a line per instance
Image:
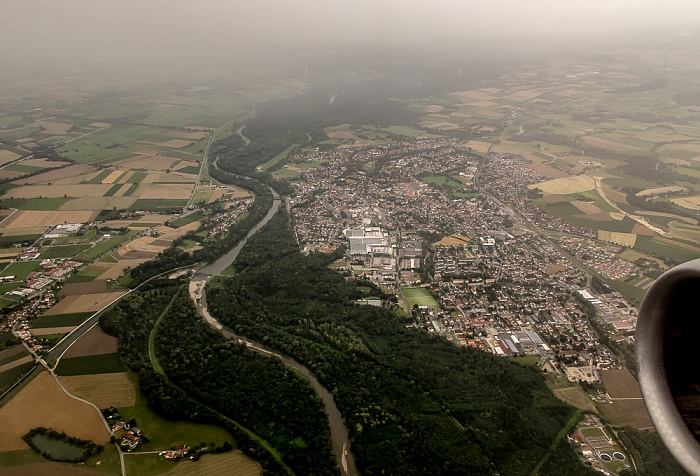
152,337
260,393
132,321
566,429
414,403
339,432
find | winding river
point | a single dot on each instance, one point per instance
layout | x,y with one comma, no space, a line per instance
339,432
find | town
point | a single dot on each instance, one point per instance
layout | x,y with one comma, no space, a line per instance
426,221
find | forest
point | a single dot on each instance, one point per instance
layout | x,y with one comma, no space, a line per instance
414,404
207,378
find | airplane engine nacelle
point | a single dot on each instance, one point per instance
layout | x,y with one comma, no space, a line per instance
668,361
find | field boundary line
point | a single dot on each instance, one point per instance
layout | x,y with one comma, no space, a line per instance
65,390
557,439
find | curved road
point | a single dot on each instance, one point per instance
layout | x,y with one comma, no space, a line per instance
339,433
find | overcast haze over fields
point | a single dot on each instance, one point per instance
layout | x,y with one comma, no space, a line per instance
168,31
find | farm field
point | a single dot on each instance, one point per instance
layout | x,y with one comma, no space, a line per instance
90,365
43,403
93,342
630,409
13,353
104,390
234,462
59,320
83,303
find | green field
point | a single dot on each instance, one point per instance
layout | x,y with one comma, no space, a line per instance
158,204
166,433
182,221
286,174
136,177
113,189
85,275
6,241
7,287
24,169
60,320
190,169
421,297
91,364
663,250
571,214
278,158
8,377
114,143
103,174
20,269
62,251
24,352
443,181
405,131
39,204
105,245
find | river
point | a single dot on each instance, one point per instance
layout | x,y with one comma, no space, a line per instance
339,433
239,131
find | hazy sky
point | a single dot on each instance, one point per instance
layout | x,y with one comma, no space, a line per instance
173,30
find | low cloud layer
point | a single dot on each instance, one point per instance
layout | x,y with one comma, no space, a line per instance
174,30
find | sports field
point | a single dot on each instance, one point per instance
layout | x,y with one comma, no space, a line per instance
421,297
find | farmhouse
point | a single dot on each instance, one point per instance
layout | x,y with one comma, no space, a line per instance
129,441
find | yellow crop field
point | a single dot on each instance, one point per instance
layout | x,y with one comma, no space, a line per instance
624,239
607,144
453,240
43,403
53,128
176,191
7,156
233,462
83,303
71,174
45,331
478,145
98,203
660,190
143,243
57,191
566,185
474,94
153,162
586,207
104,390
547,170
176,143
112,177
691,203
114,270
32,218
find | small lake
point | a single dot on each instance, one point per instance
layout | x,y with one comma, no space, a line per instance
57,448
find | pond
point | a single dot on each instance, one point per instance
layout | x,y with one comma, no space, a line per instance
58,449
